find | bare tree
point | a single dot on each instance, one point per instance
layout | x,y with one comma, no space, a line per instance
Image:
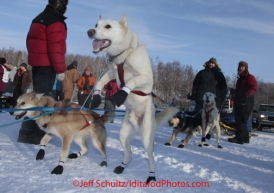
171,79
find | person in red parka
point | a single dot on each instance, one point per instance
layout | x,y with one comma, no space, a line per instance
111,88
246,87
46,46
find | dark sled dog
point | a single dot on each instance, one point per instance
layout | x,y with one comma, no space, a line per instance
189,123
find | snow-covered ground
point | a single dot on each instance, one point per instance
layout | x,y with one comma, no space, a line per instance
235,168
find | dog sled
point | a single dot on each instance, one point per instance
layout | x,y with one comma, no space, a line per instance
227,124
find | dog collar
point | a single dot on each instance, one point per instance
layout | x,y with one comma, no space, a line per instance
111,58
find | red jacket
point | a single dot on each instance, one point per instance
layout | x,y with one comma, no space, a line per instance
111,88
46,40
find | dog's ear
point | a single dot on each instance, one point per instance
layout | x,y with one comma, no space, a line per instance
37,96
124,21
100,17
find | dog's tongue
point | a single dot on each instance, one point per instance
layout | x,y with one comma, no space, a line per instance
97,44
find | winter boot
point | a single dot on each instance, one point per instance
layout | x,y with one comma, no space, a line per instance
30,133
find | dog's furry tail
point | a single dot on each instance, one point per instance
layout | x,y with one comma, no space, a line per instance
165,115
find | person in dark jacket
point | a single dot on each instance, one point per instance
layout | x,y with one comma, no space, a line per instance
246,87
210,79
21,82
46,46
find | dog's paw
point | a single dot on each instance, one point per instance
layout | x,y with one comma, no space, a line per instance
40,155
208,136
104,163
206,144
119,170
181,146
151,178
200,145
58,170
219,146
73,156
167,144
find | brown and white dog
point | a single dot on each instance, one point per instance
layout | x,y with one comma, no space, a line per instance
210,118
80,126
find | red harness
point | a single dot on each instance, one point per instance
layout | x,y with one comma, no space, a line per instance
87,122
121,77
207,114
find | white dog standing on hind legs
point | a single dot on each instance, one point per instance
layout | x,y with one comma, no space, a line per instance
210,118
129,64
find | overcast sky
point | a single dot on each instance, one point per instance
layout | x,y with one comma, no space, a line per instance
188,31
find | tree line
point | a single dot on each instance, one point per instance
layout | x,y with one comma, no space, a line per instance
171,79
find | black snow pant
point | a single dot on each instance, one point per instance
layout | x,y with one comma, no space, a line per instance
43,79
82,98
242,114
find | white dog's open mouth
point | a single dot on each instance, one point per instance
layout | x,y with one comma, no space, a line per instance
99,45
20,115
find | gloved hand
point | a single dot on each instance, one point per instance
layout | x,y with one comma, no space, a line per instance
96,101
119,97
85,87
232,91
61,76
109,86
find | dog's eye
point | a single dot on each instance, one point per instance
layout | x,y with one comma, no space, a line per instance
22,103
107,26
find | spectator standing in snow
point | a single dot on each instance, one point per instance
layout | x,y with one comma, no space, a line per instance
21,82
246,87
46,46
4,77
210,79
85,84
71,77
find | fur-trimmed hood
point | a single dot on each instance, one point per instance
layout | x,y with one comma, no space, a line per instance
218,65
